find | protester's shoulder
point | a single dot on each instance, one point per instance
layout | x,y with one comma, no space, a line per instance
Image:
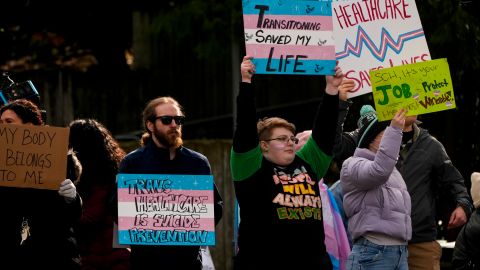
135,154
189,153
348,163
425,138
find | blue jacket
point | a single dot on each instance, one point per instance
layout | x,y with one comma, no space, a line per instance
376,198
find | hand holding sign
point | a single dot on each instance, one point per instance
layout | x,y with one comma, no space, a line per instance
345,87
68,190
399,119
333,82
247,69
420,88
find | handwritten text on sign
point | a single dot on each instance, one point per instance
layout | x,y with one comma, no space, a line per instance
421,88
290,36
371,35
155,209
33,156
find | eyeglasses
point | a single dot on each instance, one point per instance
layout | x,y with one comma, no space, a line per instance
284,139
167,119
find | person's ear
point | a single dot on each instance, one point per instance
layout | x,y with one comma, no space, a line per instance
264,146
150,126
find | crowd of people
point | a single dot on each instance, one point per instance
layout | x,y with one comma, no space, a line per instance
380,214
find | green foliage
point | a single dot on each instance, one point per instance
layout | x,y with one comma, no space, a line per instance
452,31
210,25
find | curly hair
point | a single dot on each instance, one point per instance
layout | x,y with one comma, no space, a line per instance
26,110
267,124
97,150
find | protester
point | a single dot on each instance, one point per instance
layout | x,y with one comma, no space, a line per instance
162,152
37,224
466,255
428,172
339,153
376,200
281,222
100,156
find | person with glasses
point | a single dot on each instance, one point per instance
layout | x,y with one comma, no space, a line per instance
162,152
277,188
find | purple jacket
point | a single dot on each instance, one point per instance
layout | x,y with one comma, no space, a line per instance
375,196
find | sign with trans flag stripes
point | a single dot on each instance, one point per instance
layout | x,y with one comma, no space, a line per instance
173,210
289,36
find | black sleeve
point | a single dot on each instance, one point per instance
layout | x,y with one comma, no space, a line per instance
218,204
325,123
345,142
450,179
245,137
72,210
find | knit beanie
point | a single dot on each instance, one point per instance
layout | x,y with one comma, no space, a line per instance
475,190
368,126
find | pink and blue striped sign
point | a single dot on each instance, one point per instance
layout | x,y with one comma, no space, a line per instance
158,209
290,36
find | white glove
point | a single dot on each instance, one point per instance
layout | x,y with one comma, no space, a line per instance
68,190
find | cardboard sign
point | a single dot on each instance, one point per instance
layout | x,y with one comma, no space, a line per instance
156,209
420,88
371,35
290,36
33,156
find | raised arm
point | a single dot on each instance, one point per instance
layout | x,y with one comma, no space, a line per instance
367,174
246,156
245,137
325,124
318,149
345,142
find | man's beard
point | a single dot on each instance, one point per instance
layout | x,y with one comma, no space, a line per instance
173,138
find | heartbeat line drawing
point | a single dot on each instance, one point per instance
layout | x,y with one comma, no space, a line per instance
386,42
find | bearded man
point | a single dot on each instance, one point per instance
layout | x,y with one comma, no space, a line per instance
162,152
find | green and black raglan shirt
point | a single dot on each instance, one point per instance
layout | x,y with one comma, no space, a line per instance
280,207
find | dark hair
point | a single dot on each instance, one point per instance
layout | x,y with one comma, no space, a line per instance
266,125
97,150
149,114
26,110
74,168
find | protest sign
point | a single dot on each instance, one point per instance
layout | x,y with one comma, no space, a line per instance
289,36
371,35
420,88
33,156
156,209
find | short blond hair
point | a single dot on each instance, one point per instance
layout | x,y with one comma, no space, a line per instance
267,124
